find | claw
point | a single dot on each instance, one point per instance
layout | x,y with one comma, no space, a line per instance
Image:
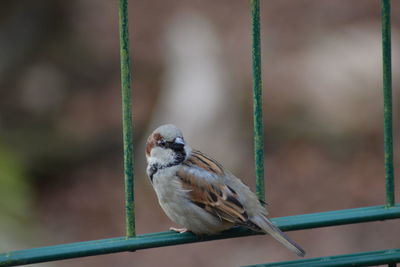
179,230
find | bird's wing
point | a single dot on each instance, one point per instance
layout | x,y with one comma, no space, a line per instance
200,177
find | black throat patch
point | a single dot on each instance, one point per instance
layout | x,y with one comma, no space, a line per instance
153,169
179,158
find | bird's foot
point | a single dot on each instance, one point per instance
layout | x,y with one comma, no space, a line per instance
179,230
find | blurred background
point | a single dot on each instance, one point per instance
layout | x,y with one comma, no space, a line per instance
61,176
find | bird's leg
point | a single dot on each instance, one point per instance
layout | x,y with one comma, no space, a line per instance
179,230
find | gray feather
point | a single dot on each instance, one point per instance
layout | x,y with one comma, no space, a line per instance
268,227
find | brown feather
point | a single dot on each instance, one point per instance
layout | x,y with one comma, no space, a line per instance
217,199
152,142
200,160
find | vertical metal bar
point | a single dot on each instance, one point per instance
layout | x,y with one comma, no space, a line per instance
387,98
257,99
127,118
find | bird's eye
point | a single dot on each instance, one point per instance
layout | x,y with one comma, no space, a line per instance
162,143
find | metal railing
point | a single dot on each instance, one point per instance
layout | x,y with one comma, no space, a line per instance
131,242
127,128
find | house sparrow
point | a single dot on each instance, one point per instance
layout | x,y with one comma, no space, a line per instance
197,193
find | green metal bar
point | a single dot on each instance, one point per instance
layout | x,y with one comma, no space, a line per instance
127,118
390,256
257,100
112,245
339,217
387,99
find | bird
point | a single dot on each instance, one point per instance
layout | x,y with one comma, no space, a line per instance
198,193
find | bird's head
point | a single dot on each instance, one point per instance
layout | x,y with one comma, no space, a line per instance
166,146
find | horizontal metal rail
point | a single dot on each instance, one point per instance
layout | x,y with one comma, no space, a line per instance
358,259
112,245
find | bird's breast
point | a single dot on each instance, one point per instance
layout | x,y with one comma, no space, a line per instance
167,185
176,203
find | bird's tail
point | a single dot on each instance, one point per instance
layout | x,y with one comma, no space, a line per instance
268,227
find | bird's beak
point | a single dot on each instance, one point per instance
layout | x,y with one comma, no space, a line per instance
179,140
179,143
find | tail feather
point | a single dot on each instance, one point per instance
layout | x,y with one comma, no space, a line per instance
267,226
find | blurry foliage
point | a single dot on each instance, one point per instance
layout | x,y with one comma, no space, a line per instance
15,191
16,199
